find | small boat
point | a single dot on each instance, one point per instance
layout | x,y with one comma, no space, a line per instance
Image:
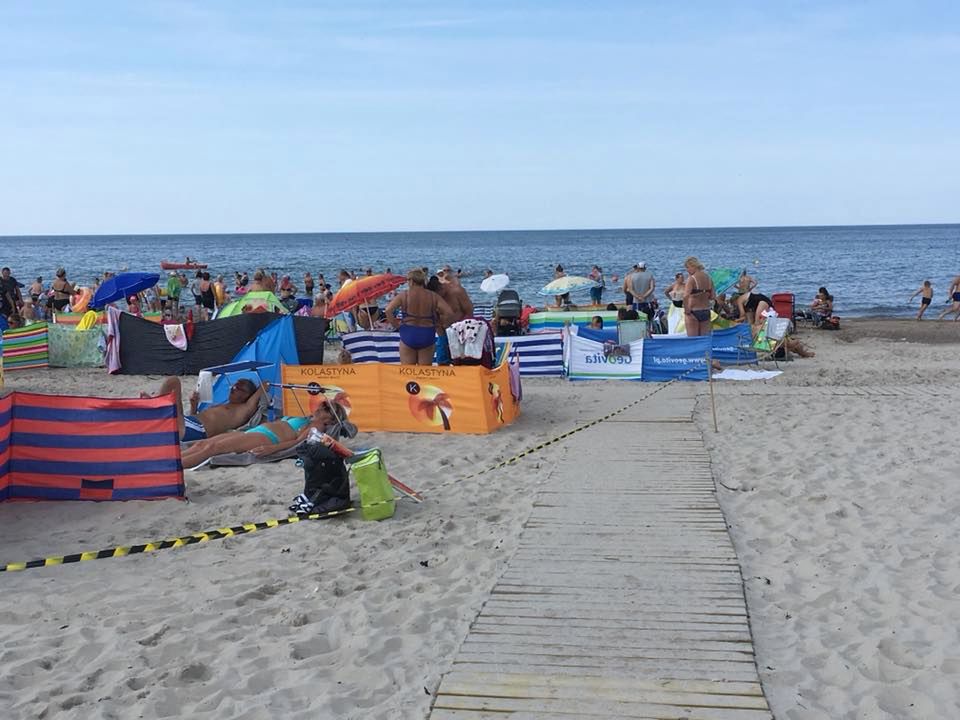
192,265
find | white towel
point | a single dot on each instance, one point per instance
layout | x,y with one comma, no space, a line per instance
735,374
466,339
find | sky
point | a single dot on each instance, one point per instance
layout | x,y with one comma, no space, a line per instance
285,116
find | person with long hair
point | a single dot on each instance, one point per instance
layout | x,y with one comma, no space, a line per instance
266,438
698,298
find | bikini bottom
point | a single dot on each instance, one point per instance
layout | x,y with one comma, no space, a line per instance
416,337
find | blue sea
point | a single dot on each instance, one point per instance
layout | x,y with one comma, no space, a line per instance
870,270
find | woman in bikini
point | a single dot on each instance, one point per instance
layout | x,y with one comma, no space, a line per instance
423,312
62,290
266,438
698,298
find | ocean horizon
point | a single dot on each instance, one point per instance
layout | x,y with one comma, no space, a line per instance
870,269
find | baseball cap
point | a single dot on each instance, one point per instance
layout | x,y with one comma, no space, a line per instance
642,265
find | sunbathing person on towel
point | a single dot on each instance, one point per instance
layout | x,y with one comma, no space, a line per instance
266,438
216,419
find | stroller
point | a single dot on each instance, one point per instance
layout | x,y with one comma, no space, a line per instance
506,313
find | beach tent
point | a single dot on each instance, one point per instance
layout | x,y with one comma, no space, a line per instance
56,447
26,348
145,350
275,345
258,299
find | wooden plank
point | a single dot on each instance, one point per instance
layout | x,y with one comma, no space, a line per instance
627,670
594,708
605,683
606,653
624,597
676,693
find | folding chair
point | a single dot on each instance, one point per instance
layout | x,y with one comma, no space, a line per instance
768,344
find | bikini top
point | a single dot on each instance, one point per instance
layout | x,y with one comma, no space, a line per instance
432,317
698,289
296,423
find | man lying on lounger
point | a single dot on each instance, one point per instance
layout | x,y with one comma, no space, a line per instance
216,419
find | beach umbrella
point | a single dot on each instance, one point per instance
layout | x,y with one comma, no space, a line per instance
362,290
568,283
723,279
495,283
123,286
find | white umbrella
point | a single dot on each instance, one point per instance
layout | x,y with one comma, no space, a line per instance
495,283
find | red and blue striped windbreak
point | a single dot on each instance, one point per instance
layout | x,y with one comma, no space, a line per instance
55,447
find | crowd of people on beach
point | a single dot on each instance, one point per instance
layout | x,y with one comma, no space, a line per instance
197,296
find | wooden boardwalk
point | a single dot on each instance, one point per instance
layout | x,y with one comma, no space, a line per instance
624,599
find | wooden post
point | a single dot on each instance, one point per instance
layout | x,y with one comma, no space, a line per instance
713,399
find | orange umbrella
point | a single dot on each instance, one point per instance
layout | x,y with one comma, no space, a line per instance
363,290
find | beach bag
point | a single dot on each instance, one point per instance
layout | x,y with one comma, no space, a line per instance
376,493
324,474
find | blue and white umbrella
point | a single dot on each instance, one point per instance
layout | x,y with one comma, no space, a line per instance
567,284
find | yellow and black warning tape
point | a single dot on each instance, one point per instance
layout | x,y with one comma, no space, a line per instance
200,537
247,528
574,431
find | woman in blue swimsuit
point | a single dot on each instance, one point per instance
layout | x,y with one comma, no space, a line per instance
423,313
266,438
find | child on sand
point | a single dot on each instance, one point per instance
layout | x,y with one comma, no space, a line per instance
925,292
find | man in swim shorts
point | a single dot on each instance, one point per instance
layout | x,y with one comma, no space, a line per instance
216,419
925,292
953,294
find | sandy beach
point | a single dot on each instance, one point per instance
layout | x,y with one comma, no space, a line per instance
838,483
835,479
341,618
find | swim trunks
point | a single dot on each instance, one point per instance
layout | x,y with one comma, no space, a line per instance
925,301
193,429
956,297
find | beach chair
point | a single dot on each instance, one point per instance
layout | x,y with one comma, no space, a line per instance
786,305
769,344
266,408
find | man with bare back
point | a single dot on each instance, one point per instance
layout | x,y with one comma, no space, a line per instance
216,419
953,294
454,294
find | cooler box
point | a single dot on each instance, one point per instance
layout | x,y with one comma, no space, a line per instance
784,303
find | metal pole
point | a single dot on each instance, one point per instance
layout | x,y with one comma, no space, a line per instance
713,399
